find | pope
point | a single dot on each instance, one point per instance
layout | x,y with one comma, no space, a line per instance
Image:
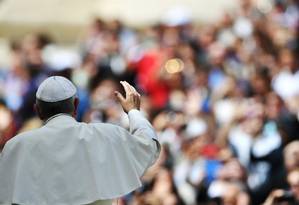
66,162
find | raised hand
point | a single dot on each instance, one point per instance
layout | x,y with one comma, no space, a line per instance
132,99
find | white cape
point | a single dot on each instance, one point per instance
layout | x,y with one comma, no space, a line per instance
70,163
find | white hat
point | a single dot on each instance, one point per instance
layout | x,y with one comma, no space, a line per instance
55,88
196,127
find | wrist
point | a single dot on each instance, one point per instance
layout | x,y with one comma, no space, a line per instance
132,110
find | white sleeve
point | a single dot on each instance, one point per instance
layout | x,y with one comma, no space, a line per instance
142,128
139,125
124,154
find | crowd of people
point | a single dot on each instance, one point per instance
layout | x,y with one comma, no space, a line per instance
223,98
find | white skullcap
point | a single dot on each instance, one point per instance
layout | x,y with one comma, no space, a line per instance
55,88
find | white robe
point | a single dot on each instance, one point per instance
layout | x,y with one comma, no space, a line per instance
70,163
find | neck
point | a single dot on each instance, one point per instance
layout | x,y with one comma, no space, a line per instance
56,115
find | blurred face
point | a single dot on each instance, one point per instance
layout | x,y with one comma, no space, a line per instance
254,118
230,195
260,85
170,200
216,54
206,36
17,62
293,179
96,27
291,156
163,184
273,105
254,125
170,36
232,170
286,59
30,43
5,119
103,95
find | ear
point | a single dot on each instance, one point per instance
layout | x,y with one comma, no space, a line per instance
37,110
76,104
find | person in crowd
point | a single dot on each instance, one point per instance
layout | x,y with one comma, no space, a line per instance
290,197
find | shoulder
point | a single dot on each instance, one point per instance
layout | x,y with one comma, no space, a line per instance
24,137
110,132
106,127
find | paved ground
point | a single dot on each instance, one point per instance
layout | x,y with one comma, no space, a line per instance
136,12
65,19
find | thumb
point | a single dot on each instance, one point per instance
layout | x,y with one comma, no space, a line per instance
119,96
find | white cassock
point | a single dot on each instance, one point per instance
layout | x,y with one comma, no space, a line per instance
70,163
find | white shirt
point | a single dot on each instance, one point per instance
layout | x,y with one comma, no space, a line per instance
70,163
285,84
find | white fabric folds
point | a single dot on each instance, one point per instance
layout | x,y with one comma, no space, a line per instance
70,163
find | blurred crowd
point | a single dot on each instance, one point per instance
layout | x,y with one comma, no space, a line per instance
223,97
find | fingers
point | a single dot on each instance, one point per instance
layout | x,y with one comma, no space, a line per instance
132,99
126,88
129,89
119,97
278,193
132,89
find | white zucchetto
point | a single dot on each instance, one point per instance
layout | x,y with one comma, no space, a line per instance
55,88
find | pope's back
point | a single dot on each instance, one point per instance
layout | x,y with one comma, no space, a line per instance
66,162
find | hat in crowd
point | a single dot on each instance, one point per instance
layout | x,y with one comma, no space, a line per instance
195,128
55,88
